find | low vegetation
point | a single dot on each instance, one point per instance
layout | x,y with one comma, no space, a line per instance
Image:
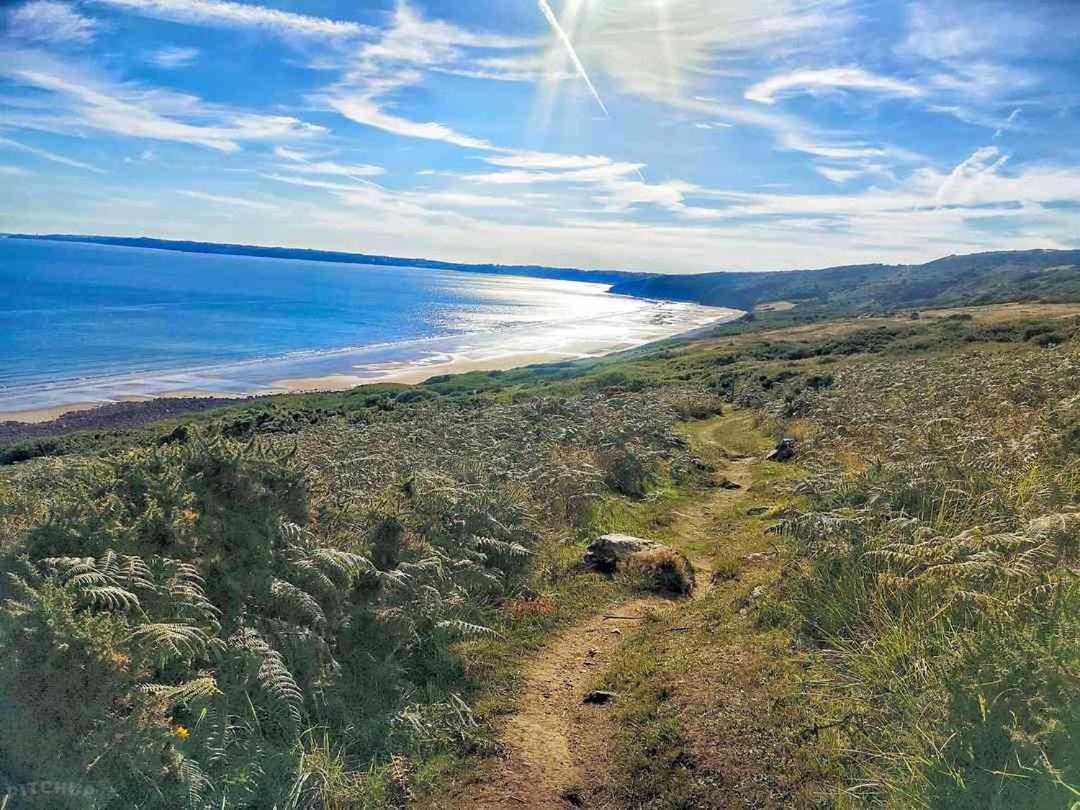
319,601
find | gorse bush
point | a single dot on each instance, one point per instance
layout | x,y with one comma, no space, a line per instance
941,575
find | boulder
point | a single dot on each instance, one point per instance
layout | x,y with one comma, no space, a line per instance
661,568
606,552
784,451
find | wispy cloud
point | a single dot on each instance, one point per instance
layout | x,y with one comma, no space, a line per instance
13,171
837,175
220,199
301,162
45,154
222,13
368,110
82,102
49,21
829,80
172,58
1008,123
395,60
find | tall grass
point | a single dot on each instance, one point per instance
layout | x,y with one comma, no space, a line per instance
939,577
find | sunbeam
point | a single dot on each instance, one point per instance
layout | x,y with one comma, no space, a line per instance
561,34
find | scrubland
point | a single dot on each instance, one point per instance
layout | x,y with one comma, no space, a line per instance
323,601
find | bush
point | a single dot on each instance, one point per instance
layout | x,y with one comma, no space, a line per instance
625,472
34,448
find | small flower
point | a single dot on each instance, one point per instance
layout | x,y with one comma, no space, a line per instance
180,732
189,515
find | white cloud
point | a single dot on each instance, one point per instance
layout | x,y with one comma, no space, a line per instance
366,109
524,67
49,21
81,102
837,175
827,80
13,171
972,177
305,163
172,58
44,154
223,13
548,160
239,202
591,174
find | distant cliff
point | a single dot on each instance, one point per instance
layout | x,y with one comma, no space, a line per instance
532,271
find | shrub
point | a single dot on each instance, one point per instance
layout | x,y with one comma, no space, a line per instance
625,472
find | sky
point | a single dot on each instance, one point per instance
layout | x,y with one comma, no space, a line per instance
657,135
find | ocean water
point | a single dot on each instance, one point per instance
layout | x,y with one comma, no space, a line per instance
93,323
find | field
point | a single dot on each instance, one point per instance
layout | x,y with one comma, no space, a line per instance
336,600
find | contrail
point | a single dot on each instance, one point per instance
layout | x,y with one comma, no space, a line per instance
551,18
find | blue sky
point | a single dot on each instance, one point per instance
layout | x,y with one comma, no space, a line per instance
660,135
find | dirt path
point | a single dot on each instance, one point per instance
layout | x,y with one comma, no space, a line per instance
549,736
557,745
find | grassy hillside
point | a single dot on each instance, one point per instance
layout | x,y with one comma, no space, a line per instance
980,278
321,601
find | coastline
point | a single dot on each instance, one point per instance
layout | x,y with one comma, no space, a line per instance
128,411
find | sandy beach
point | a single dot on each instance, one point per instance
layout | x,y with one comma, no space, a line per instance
410,363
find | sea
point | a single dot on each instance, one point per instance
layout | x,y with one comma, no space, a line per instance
87,323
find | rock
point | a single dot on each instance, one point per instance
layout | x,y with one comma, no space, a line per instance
606,552
727,483
784,451
599,697
757,593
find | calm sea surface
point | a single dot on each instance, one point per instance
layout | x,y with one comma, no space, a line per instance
76,313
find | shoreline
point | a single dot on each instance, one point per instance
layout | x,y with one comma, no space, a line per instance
125,411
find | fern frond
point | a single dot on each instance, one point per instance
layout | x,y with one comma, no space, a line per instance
110,597
180,640
467,629
298,602
202,688
502,546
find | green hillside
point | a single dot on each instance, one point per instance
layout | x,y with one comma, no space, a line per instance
979,278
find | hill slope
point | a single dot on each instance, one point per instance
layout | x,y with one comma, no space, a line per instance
979,278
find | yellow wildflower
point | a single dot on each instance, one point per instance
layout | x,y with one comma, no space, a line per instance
189,515
180,733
